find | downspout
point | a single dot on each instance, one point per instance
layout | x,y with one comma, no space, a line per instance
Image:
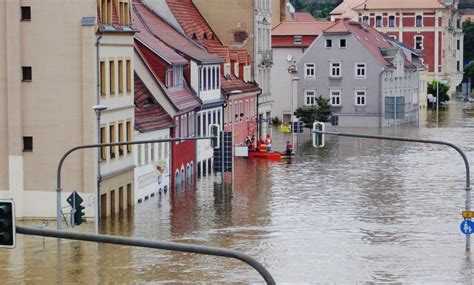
257,118
99,150
97,45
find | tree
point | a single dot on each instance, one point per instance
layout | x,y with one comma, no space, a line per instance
469,71
468,29
443,90
319,9
310,114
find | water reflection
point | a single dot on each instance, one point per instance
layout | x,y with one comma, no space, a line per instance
356,211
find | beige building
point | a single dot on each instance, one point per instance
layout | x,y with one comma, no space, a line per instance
48,84
247,24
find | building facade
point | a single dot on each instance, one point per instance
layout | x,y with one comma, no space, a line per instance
47,93
433,27
368,81
289,42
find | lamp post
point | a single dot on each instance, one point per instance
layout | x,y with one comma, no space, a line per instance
294,80
233,92
98,110
437,95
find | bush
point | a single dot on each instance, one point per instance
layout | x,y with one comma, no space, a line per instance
310,114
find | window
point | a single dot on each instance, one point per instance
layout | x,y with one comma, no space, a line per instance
458,44
335,69
103,151
102,78
124,13
378,21
342,43
25,13
458,65
146,151
152,152
360,98
365,20
26,73
129,75
391,21
309,70
112,77
297,40
169,78
27,143
328,43
120,76
121,139
419,21
128,125
199,134
112,140
360,71
236,72
106,11
335,97
309,97
418,42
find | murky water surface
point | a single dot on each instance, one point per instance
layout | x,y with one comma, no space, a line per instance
355,211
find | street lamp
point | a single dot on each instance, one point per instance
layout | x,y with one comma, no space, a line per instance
233,92
294,80
98,110
437,94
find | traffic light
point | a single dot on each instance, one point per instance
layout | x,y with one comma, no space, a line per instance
318,138
77,209
7,224
214,132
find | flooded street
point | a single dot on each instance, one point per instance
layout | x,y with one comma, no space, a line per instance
357,210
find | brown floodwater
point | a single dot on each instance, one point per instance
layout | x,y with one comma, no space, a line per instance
356,211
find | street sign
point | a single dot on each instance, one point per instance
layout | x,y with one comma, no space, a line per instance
74,197
467,214
467,227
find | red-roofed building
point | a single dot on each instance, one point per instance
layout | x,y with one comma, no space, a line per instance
234,80
431,26
289,41
163,72
369,82
152,161
302,17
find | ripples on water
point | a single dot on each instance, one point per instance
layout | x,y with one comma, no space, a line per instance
355,211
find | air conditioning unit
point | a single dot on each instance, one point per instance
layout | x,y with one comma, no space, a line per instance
268,57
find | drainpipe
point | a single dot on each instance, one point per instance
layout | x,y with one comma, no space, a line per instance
258,115
99,177
97,45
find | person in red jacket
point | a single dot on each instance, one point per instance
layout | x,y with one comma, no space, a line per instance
289,148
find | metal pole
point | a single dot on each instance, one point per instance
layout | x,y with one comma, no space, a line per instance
222,152
65,155
215,251
233,141
463,155
437,101
99,177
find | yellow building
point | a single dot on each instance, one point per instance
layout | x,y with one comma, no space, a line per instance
51,57
247,24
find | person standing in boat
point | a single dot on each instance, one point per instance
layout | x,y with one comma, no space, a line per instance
289,148
268,142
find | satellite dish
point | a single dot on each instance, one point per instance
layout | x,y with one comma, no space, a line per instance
289,57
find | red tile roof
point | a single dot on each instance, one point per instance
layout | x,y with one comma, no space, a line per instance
174,39
153,43
401,4
302,17
149,114
181,98
196,27
313,28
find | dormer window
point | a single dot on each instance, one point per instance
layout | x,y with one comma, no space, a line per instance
227,70
106,11
124,13
174,77
236,69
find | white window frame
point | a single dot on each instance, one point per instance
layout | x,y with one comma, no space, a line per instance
307,67
394,21
335,94
308,96
381,22
357,68
422,41
416,21
333,68
357,95
326,43
345,43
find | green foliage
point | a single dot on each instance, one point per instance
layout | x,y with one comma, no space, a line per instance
276,121
443,90
469,70
309,114
319,9
468,29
